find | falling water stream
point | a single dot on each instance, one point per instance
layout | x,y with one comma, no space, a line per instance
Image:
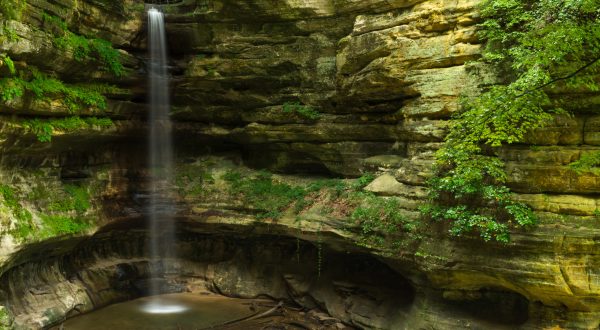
161,207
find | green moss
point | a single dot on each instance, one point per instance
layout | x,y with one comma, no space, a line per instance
24,226
4,319
11,34
77,199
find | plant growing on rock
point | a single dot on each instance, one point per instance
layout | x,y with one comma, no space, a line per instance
84,49
304,111
45,129
4,319
24,226
268,196
12,9
379,217
44,87
6,60
588,162
538,46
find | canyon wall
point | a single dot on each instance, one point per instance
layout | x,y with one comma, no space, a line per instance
304,88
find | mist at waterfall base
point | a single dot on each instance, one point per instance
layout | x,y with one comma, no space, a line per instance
161,208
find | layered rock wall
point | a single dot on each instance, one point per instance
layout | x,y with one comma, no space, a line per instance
336,88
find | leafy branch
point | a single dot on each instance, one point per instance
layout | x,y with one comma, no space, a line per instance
530,42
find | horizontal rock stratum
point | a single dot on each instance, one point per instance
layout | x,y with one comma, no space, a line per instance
307,89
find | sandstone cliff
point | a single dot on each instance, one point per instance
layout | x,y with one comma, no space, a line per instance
304,87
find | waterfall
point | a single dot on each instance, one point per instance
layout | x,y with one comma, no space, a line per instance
161,207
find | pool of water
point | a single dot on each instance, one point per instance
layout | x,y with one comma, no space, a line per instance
173,311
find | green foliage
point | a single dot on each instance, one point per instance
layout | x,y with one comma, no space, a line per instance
44,129
84,49
379,217
11,88
363,181
134,7
192,179
56,225
12,9
264,193
538,45
4,319
73,96
9,64
77,199
588,162
304,111
60,211
10,34
111,58
336,186
43,86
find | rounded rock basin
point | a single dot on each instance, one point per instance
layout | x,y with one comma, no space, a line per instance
172,311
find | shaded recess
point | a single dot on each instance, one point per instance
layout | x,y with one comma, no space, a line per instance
494,305
113,266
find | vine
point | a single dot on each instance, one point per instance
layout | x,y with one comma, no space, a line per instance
540,46
319,249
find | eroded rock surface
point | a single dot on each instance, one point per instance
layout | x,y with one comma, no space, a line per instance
320,87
